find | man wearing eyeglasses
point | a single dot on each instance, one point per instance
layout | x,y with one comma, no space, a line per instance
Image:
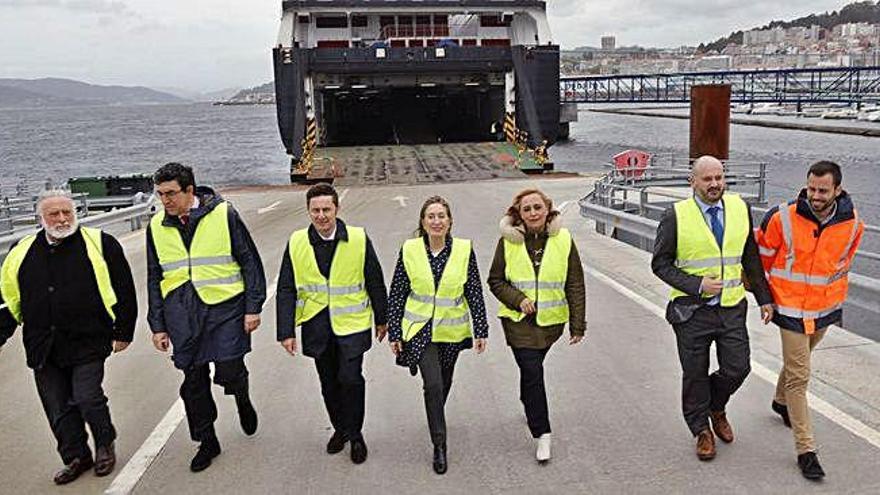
206,290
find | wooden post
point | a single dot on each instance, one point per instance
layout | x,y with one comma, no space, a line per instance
710,121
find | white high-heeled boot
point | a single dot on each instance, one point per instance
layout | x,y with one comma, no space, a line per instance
543,452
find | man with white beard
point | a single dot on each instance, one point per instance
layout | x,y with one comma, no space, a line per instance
71,288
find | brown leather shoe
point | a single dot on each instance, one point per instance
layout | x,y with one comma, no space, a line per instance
705,445
72,471
721,426
105,460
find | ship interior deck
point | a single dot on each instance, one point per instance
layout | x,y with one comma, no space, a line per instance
411,115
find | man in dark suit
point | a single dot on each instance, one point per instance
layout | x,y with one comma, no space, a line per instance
705,250
331,286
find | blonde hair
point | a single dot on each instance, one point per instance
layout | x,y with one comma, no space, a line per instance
433,200
513,209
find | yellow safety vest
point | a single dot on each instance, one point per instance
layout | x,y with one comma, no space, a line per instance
345,293
445,304
547,288
9,284
698,252
208,263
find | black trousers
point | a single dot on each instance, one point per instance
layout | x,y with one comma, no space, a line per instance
72,397
700,391
344,389
437,381
532,392
198,401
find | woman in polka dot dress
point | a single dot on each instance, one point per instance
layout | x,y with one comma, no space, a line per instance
436,309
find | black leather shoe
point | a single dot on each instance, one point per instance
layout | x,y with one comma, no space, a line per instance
247,416
782,411
358,451
72,470
337,442
105,460
440,464
208,450
810,467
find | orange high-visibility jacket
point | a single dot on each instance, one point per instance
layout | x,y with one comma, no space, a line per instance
807,262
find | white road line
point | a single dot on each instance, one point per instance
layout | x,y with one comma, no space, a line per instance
270,292
817,403
342,194
269,208
562,206
135,468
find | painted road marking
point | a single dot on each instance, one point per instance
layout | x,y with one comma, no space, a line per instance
817,403
269,208
342,195
270,292
400,200
135,468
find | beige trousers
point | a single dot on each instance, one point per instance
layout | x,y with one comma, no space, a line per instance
791,388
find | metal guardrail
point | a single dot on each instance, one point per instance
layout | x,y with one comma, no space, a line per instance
135,215
866,295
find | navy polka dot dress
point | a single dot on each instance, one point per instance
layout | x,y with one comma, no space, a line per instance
400,290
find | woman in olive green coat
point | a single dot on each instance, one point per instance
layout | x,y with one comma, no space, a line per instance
532,318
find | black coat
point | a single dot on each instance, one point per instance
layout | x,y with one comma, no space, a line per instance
199,332
63,315
663,265
317,332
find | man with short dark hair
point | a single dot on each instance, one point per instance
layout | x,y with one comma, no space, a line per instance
331,285
807,246
206,289
71,289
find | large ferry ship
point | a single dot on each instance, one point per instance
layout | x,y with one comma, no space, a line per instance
415,72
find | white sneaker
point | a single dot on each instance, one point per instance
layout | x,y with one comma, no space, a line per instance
543,452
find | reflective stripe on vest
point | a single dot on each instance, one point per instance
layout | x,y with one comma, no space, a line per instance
547,287
815,284
344,293
9,283
446,304
208,263
698,252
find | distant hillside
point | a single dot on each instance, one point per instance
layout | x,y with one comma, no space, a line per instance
867,11
66,92
258,95
19,98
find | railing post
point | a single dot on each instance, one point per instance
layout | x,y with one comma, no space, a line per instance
6,225
762,186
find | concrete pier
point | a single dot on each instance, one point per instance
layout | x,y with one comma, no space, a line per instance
776,124
614,400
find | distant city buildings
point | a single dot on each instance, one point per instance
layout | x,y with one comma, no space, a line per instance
846,45
609,42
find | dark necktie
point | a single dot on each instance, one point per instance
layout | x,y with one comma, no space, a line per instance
184,219
715,223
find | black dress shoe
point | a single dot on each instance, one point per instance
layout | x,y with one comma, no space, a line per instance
358,451
208,450
782,411
72,470
247,416
105,460
810,467
440,464
337,442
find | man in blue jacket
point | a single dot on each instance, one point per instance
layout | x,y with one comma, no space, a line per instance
206,289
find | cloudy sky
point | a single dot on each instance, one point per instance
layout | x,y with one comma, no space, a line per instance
206,45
